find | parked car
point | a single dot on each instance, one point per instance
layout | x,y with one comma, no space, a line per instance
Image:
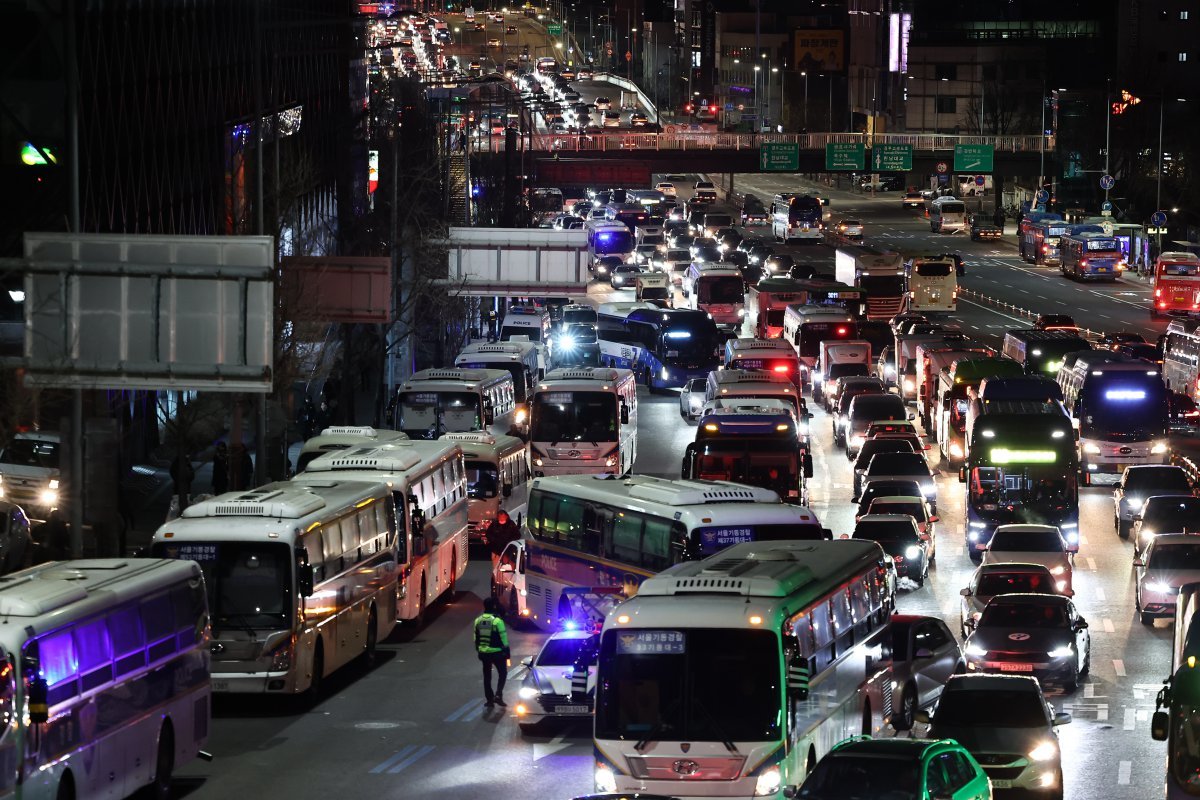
545,692
1008,726
924,656
1169,561
1042,635
1001,577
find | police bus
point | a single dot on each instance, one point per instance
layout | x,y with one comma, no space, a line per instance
437,401
1091,255
588,532
805,327
584,421
755,446
104,679
750,665
428,491
517,357
497,469
664,348
339,437
301,579
771,355
718,290
607,237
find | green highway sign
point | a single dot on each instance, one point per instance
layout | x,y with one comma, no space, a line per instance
845,155
554,29
974,157
779,156
891,158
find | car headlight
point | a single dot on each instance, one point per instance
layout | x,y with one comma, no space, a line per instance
909,385
611,461
1044,751
567,343
912,552
665,374
1158,587
857,441
1061,652
956,450
527,693
929,491
606,781
1146,535
1091,449
48,497
974,650
1159,448
768,782
1135,503
741,312
520,415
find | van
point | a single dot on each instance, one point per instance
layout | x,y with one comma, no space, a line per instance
839,359
865,409
654,286
714,221
947,215
30,471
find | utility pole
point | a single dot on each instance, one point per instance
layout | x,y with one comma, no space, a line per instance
1108,126
74,217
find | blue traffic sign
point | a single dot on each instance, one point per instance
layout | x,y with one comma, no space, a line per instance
1159,218
1043,196
1106,206
1107,182
980,180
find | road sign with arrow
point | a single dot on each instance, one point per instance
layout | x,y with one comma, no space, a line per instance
892,158
974,157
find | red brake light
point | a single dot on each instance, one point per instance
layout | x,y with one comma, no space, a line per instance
1083,262
1045,248
841,331
781,367
712,109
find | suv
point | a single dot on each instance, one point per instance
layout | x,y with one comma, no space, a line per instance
30,472
869,450
915,769
897,534
1007,725
911,466
1139,482
1161,513
1171,561
862,411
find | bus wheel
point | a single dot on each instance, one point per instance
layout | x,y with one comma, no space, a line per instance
164,765
372,636
66,787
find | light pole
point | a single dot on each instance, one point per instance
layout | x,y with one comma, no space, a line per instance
804,73
757,99
773,71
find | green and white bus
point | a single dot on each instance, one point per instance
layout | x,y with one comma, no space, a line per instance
1177,720
732,676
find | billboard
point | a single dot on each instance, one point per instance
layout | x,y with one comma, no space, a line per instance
337,289
819,48
126,311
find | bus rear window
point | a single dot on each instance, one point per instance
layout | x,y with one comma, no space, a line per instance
936,269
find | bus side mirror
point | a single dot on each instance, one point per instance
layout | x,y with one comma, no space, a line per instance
797,679
624,414
39,701
508,490
808,465
1160,723
305,580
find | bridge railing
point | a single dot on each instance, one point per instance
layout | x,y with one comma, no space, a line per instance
703,140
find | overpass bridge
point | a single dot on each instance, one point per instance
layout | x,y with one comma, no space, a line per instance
630,158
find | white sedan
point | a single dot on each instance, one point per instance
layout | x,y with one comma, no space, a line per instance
546,690
668,189
1033,544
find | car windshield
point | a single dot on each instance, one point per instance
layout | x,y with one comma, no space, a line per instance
1028,541
872,407
872,447
1000,708
912,509
994,583
560,652
898,464
249,584
852,776
691,685
886,532
1157,480
31,453
1175,556
483,480
574,417
1024,615
1171,515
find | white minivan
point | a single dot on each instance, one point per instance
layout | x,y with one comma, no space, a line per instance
837,359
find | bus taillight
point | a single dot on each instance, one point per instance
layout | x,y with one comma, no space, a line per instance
781,367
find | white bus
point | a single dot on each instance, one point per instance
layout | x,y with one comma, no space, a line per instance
584,421
339,438
718,290
1181,357
301,579
589,533
806,326
705,669
497,470
932,285
521,358
104,682
797,217
428,488
437,401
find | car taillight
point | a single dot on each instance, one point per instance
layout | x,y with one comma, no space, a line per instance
1045,248
1083,262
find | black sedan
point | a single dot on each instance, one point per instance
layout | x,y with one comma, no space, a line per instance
1042,635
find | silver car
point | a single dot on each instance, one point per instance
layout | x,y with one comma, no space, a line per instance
1140,482
924,655
1169,562
546,690
1005,577
691,398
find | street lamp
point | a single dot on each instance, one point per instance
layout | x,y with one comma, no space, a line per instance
459,32
804,74
757,99
774,70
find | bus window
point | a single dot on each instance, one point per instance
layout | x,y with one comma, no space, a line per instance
656,544
95,654
626,542
128,643
159,624
58,663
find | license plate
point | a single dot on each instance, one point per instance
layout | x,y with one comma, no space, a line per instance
220,686
570,709
1102,269
1016,667
1001,784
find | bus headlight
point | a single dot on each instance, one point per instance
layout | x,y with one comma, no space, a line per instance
768,782
281,656
521,415
909,386
606,781
1158,449
48,497
1091,449
611,461
741,312
665,374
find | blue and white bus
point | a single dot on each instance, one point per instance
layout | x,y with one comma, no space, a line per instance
664,348
608,237
1091,256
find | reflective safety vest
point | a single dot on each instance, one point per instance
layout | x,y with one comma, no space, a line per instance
491,635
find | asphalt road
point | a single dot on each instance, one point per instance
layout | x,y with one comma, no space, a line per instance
413,725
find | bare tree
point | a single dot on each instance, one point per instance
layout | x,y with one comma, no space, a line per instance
1003,110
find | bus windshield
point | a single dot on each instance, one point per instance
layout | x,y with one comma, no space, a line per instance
31,453
427,415
574,417
770,464
882,285
1129,408
249,584
680,344
519,375
721,289
934,269
612,241
483,480
693,685
1033,488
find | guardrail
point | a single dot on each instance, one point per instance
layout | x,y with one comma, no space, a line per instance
1013,308
1190,468
699,140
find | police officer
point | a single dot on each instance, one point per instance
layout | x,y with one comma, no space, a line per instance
491,643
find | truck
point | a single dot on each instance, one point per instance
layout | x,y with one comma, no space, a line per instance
766,302
930,360
878,272
956,389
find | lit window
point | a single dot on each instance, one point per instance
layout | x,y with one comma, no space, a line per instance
1183,15
1183,56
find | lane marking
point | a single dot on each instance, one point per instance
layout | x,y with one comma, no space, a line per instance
1023,322
412,759
464,708
1119,667
556,744
1124,769
1130,719
1108,625
1089,691
1102,712
473,714
1091,564
383,767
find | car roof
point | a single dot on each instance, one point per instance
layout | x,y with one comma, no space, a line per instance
1029,599
977,681
891,747
1012,566
1168,539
